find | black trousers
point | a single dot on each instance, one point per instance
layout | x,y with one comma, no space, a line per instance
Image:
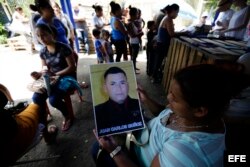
121,49
135,50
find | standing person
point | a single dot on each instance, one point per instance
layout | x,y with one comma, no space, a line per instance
140,23
225,15
165,33
158,17
134,35
107,44
102,55
58,58
150,50
190,131
98,19
36,45
66,21
48,17
20,23
81,26
238,23
119,32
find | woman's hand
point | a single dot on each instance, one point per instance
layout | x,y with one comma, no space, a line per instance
107,142
142,94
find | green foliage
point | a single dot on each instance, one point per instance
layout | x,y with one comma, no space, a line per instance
3,35
22,3
213,3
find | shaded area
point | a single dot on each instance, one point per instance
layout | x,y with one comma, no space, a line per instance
73,146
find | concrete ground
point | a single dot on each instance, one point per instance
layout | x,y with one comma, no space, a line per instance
73,146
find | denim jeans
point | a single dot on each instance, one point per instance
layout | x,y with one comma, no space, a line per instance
55,99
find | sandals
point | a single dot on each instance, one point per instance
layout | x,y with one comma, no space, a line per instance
84,85
66,124
50,134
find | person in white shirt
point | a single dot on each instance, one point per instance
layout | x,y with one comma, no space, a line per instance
222,21
81,25
20,23
238,23
98,19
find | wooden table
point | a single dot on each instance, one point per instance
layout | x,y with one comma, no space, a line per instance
185,51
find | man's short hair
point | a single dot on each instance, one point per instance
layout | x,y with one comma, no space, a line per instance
114,70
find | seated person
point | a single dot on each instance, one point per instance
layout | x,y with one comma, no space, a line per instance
120,109
58,58
22,131
223,19
190,132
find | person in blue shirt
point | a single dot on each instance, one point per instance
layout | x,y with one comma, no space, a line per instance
48,17
119,32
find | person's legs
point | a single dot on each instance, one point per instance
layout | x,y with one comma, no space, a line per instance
124,50
86,40
151,59
162,51
135,51
56,100
49,132
118,50
40,99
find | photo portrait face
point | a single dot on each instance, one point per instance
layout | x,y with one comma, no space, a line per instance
116,86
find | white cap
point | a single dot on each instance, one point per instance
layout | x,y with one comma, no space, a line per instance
204,14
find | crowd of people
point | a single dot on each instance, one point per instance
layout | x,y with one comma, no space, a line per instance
190,131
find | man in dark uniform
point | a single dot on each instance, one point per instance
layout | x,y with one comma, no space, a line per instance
120,113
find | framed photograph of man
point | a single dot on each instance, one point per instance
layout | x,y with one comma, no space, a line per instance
116,102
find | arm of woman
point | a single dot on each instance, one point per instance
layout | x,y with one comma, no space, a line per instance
108,143
154,107
170,27
69,69
119,26
6,92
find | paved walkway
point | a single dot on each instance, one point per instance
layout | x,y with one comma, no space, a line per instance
74,146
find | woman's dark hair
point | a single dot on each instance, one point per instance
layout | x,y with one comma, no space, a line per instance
41,4
209,86
114,7
97,8
132,11
48,28
170,8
